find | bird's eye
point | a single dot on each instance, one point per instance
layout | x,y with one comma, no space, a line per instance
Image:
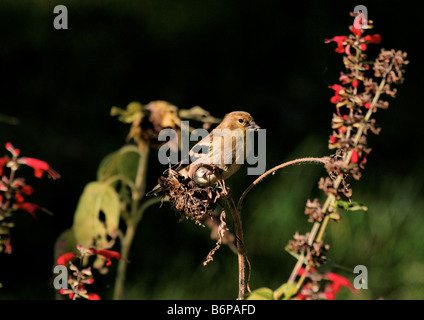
241,120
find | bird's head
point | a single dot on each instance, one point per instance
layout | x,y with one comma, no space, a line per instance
239,120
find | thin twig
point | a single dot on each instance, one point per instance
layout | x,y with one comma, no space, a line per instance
283,165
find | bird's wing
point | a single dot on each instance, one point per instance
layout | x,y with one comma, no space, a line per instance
201,151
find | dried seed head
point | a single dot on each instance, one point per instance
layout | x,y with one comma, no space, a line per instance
314,211
187,198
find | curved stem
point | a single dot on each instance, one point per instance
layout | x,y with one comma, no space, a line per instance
283,165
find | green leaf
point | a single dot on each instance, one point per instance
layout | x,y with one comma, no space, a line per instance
128,115
261,294
286,291
89,226
199,114
350,206
123,162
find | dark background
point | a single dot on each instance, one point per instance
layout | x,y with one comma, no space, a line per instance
264,57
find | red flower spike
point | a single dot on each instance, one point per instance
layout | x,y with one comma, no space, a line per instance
354,158
39,167
93,296
65,258
375,38
29,207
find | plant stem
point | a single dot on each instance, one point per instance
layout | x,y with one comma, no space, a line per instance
331,198
240,249
122,264
133,219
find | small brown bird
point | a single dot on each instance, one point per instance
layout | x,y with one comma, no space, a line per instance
212,151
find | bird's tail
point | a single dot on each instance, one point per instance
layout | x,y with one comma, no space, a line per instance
156,191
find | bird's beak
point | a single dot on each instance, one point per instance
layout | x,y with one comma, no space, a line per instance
253,126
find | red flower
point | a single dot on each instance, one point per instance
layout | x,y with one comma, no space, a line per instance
354,157
337,88
93,296
356,32
19,198
301,296
28,190
337,97
355,83
333,139
363,46
3,162
375,38
367,105
339,40
338,282
29,207
330,295
9,147
341,130
39,167
65,258
108,254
